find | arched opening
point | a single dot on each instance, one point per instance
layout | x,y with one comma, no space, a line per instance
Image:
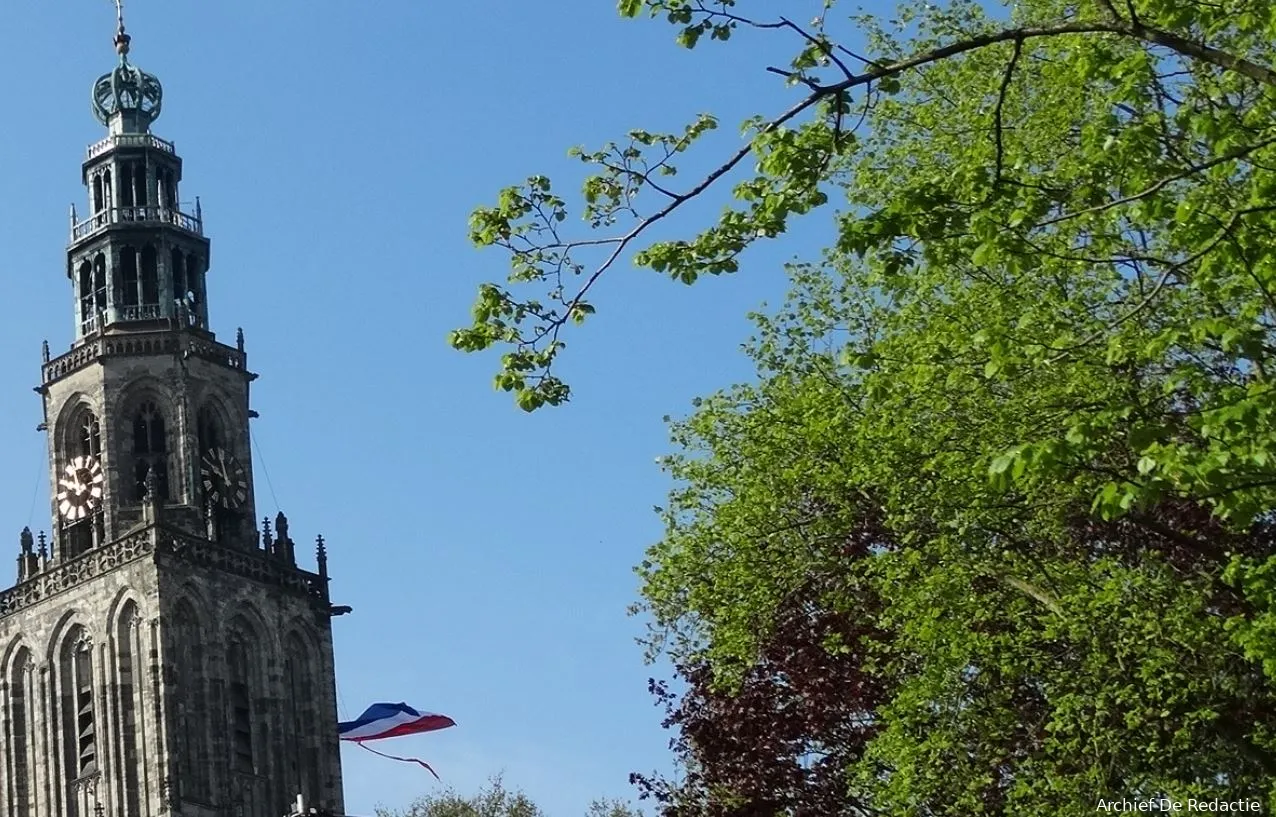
140,193
82,437
85,436
99,282
150,276
128,656
150,451
208,429
128,276
108,192
86,294
195,288
167,188
210,434
303,755
241,715
177,264
194,276
126,184
92,281
97,193
78,709
21,722
187,646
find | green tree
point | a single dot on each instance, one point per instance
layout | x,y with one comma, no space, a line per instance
1013,440
840,575
1048,142
495,800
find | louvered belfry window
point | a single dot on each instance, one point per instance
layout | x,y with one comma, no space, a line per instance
241,708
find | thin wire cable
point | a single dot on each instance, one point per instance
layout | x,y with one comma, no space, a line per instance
341,702
265,471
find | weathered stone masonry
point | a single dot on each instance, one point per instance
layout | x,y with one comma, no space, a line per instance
161,652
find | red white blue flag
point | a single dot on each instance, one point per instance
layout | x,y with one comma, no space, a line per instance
391,721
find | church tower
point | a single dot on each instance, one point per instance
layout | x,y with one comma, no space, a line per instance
160,653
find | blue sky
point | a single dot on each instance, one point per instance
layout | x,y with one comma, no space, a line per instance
338,149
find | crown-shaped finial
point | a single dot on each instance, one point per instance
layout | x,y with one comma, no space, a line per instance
127,100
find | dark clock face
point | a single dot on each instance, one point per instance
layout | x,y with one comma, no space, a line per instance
80,489
225,482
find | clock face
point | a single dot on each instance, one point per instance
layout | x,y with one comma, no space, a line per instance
80,488
225,482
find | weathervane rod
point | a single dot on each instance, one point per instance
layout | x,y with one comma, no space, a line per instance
121,37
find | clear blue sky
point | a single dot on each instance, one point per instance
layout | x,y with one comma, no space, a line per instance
338,148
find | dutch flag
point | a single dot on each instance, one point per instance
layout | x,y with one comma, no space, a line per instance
391,721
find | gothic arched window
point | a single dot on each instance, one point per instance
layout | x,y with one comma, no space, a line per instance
302,754
208,429
19,715
86,436
128,661
193,761
79,716
80,436
150,450
97,193
240,705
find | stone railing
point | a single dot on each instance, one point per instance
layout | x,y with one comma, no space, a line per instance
92,324
60,577
144,312
130,140
149,214
142,343
77,358
256,565
218,353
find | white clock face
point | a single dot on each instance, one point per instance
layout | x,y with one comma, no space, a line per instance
80,488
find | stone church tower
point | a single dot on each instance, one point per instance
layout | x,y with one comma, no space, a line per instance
160,654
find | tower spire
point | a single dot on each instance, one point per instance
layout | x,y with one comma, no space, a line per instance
122,39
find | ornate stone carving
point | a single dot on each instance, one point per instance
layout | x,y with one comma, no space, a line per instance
59,578
254,565
86,785
139,344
